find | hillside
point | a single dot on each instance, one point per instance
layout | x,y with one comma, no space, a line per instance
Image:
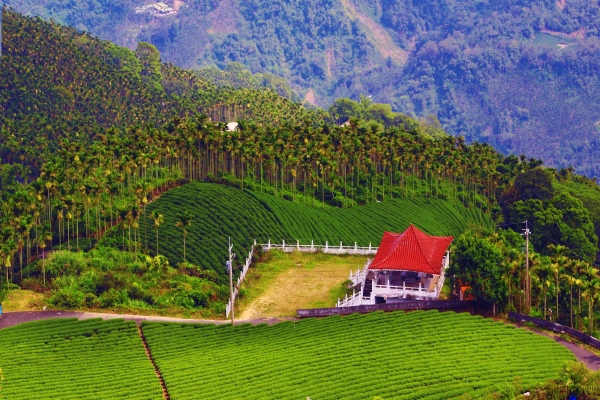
220,212
58,84
521,75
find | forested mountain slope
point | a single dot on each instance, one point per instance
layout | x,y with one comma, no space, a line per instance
521,75
58,84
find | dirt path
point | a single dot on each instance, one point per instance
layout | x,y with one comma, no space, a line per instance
16,318
156,370
590,359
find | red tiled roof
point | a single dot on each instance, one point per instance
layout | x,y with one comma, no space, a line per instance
411,250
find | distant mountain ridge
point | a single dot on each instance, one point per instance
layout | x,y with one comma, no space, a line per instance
520,75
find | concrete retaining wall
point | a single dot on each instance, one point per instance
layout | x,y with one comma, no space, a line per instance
558,328
448,305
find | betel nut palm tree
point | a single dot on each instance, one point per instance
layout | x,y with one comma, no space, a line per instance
158,219
183,221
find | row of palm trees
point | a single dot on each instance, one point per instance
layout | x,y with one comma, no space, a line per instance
558,286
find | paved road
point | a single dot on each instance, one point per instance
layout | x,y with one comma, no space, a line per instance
15,318
591,360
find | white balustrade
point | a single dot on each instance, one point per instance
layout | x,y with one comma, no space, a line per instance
341,249
240,280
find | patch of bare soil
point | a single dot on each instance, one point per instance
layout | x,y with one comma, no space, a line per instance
311,97
380,38
177,4
224,18
330,60
579,34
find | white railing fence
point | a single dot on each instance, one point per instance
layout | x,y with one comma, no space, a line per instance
360,275
327,248
239,282
440,282
348,301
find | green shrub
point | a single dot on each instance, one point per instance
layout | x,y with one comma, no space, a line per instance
114,298
67,299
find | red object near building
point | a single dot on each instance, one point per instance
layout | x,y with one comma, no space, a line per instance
412,250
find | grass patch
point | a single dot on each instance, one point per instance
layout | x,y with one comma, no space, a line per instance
446,292
22,300
284,282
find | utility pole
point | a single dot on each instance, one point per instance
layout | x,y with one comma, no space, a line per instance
527,281
231,299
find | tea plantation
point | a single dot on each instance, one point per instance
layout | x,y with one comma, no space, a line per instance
220,211
71,359
418,355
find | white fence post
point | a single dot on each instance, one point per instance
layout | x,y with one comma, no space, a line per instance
340,244
269,245
283,245
326,246
298,245
312,245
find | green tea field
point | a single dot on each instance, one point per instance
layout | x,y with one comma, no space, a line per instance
418,355
71,359
220,211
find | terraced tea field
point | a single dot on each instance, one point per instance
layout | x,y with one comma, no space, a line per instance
70,359
220,211
418,355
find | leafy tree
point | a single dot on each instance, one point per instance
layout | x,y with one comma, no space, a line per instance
343,109
477,263
149,57
125,59
534,184
562,220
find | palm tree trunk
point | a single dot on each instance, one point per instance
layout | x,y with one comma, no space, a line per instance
571,305
544,303
157,241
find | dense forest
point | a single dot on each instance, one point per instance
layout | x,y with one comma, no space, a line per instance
520,75
88,140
